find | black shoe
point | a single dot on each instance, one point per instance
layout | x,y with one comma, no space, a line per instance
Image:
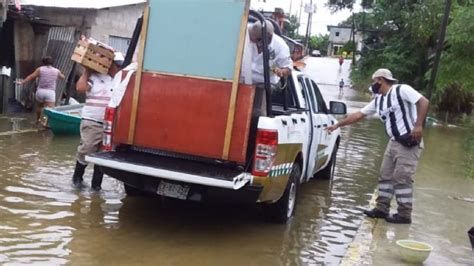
375,213
397,219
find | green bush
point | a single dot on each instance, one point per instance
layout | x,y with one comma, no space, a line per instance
455,99
348,47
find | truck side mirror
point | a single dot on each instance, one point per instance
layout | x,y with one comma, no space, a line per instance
337,108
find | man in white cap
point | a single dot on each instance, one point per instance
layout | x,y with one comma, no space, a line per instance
403,110
98,89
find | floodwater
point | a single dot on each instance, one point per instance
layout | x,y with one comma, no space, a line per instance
44,220
443,207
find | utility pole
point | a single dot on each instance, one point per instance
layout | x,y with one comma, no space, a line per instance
363,23
299,17
354,48
308,27
439,48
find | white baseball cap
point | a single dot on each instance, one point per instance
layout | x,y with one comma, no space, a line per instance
118,58
383,73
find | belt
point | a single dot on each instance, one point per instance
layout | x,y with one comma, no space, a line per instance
93,120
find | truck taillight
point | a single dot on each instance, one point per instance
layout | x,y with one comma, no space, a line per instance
265,151
108,123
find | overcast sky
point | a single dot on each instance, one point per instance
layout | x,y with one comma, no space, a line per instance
321,18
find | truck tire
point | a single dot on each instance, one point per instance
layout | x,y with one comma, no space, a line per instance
282,210
132,191
328,172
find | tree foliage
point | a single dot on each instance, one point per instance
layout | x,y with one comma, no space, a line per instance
336,5
291,26
319,42
348,47
401,35
364,21
457,60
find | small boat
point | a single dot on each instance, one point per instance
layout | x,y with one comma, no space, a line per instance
64,120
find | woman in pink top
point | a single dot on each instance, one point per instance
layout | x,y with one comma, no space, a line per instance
47,77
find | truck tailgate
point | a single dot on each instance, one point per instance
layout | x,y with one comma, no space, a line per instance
172,168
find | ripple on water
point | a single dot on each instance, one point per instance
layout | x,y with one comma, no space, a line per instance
13,199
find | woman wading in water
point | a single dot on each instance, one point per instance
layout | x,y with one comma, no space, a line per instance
47,76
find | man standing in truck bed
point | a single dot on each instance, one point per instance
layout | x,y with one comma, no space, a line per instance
280,58
98,89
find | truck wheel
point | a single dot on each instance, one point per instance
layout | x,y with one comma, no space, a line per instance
282,210
132,191
328,172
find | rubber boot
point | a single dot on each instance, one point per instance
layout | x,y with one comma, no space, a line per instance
78,173
97,178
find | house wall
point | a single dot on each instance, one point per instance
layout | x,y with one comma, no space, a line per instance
30,36
98,24
116,21
24,48
82,19
345,35
343,38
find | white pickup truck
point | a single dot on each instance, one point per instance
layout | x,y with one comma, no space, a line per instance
170,143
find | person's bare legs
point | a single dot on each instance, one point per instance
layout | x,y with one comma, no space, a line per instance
46,104
39,110
49,104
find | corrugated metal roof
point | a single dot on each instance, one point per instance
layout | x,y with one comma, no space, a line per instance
92,4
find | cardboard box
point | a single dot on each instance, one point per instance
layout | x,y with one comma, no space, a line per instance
93,56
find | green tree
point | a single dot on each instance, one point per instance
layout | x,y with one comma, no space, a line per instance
363,21
455,83
400,36
319,42
290,28
457,60
348,47
336,5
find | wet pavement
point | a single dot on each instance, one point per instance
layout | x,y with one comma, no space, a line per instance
44,220
443,207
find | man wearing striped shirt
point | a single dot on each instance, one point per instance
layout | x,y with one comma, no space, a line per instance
98,89
403,110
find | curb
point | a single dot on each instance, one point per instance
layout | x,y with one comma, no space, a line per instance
359,250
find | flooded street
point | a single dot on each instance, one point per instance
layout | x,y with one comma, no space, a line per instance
44,220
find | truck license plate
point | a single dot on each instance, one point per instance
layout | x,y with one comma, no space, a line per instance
173,190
